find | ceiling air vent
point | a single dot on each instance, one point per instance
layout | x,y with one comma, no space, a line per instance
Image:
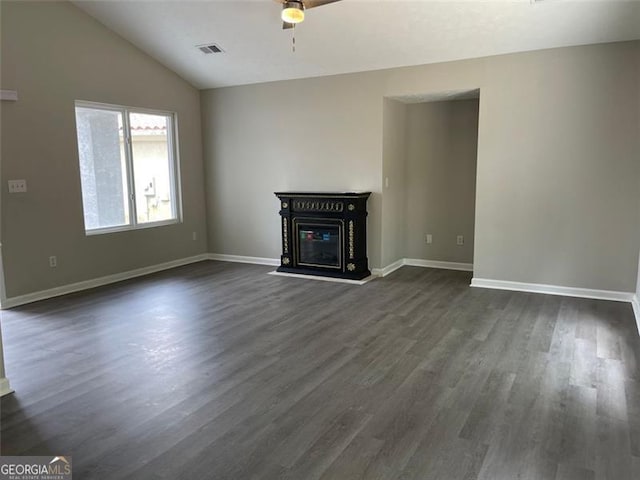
210,48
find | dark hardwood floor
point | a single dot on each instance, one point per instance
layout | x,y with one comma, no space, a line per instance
220,371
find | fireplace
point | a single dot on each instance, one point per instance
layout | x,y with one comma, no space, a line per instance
324,234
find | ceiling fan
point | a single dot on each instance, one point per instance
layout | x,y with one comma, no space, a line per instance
293,11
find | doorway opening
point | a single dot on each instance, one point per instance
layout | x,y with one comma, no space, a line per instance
429,178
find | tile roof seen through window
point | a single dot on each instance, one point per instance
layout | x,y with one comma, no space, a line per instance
144,124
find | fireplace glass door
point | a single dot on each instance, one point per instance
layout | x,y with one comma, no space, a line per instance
319,245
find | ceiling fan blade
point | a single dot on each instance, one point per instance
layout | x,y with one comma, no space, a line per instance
286,25
280,1
316,3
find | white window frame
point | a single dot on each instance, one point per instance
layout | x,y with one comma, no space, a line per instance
174,167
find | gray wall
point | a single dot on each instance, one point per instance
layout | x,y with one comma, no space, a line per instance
442,140
394,165
638,136
638,280
557,168
557,173
53,54
322,134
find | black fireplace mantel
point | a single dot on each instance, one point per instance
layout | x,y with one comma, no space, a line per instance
324,234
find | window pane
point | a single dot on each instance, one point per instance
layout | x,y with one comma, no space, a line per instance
102,167
152,167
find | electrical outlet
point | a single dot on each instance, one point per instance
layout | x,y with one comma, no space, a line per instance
17,186
428,238
194,236
53,261
460,240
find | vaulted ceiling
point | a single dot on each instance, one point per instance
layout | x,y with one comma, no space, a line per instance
352,35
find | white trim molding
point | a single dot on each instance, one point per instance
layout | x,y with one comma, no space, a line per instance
3,293
98,282
383,272
635,303
553,289
378,272
274,262
5,388
417,262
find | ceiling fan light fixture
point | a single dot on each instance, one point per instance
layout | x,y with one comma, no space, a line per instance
292,12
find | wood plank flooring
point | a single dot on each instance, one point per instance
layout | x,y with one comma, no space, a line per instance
220,371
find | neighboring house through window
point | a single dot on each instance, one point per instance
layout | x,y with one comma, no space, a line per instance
128,167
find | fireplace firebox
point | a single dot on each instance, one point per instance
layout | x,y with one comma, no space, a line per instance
324,234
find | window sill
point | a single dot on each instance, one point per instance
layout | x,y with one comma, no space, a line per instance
127,228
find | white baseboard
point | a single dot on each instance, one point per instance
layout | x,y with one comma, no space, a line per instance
98,282
553,289
417,262
275,262
5,389
383,272
635,303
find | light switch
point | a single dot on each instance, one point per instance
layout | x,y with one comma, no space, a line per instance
9,95
17,186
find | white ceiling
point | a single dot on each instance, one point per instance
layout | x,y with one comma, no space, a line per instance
443,96
352,35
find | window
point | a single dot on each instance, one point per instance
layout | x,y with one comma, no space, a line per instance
128,167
